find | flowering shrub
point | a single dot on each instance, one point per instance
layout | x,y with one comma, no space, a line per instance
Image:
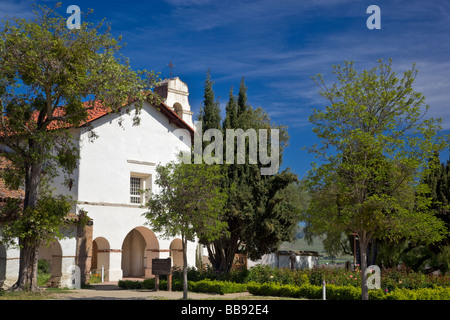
95,278
404,278
335,276
264,273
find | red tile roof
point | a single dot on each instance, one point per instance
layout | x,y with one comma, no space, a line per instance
6,193
99,110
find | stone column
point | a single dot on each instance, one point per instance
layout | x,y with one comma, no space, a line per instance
115,266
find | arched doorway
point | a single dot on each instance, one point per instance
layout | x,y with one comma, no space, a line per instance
100,256
176,251
138,248
52,255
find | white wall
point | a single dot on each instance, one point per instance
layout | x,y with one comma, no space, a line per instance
104,171
283,261
104,175
102,184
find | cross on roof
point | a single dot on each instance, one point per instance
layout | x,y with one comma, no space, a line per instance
171,67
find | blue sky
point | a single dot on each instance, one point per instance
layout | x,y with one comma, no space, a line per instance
277,46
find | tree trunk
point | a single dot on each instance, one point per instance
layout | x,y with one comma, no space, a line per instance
185,279
221,255
29,248
28,265
221,252
363,244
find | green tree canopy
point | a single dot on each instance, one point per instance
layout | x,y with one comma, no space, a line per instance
189,203
258,214
50,77
375,146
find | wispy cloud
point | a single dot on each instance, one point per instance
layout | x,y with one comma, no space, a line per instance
278,45
21,8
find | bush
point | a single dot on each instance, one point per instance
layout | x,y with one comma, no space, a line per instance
265,289
342,292
377,294
437,293
267,274
261,274
406,278
43,266
129,284
43,273
310,291
272,289
238,275
215,286
206,286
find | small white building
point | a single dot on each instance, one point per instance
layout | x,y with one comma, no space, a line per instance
111,170
288,259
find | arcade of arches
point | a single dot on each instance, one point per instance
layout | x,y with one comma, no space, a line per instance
139,246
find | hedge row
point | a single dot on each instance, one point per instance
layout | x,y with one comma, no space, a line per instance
391,279
437,293
306,291
214,286
334,292
204,286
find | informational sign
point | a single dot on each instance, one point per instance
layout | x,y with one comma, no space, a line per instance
162,266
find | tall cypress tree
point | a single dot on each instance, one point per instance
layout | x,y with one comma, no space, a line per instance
210,110
243,107
231,112
259,213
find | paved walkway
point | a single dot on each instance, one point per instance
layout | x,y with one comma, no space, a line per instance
110,291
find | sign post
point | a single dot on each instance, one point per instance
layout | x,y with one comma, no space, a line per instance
162,267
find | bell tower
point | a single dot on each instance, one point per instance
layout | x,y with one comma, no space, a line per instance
174,93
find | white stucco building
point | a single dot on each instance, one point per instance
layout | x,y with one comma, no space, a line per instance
288,259
111,170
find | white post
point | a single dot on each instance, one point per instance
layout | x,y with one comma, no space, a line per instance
103,273
324,290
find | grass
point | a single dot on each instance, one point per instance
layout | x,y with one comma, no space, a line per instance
44,294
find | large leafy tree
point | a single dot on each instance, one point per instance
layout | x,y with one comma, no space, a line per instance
375,146
189,203
258,214
50,78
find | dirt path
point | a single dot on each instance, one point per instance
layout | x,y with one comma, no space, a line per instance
110,291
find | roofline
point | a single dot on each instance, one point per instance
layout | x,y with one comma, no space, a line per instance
169,113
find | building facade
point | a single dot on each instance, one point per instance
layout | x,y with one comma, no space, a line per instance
112,170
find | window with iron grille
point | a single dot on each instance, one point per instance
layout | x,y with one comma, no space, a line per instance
135,190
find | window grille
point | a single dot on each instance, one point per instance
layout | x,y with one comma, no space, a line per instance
135,187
